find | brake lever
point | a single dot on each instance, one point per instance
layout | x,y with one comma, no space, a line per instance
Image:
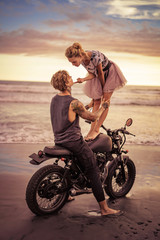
126,132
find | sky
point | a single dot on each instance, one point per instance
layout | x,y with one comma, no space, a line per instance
34,35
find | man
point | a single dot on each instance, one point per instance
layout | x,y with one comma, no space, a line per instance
65,112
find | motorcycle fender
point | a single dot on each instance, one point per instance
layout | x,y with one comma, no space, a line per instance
36,160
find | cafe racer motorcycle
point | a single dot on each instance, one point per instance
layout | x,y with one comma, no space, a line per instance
49,188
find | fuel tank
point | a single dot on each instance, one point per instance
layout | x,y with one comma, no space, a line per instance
102,143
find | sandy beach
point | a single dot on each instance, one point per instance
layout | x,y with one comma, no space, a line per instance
78,219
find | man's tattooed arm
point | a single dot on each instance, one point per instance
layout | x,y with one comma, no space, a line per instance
80,109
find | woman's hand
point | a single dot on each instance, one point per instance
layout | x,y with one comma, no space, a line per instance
80,80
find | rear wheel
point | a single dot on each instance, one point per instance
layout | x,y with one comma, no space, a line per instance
115,185
46,192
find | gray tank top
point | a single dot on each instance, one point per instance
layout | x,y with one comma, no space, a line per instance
63,129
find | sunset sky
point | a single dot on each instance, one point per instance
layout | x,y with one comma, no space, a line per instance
35,33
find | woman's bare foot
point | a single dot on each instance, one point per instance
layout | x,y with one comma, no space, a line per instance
89,133
86,138
109,211
92,135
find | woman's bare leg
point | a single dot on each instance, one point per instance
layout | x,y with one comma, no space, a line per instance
96,105
95,131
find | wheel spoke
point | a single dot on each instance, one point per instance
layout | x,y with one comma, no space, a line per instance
117,186
48,200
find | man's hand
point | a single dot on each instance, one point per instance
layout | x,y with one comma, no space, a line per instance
105,104
80,80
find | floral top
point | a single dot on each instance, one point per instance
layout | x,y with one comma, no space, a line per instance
96,58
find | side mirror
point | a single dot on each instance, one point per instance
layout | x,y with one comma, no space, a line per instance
129,122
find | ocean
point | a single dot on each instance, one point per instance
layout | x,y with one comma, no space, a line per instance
25,112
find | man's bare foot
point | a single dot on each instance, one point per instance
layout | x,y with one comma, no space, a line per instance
109,211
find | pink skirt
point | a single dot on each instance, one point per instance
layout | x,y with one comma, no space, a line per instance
114,81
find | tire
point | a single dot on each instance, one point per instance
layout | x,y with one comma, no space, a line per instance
115,186
44,193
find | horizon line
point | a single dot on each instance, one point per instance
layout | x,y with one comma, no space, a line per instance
34,81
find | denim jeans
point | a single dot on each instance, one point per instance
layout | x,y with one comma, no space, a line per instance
88,162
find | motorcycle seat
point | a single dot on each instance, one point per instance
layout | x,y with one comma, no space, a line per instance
57,151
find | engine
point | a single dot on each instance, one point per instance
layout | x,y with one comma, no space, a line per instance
101,160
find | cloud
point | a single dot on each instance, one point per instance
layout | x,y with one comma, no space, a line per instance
144,41
31,42
60,24
133,9
72,1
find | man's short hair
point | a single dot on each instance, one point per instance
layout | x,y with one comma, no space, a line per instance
59,80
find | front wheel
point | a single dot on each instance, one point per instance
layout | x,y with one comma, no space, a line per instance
47,192
115,185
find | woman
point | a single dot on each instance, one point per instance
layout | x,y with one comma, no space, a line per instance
104,77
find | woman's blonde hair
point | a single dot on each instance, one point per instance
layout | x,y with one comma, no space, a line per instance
59,80
75,50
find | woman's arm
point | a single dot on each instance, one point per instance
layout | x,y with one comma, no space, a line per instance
101,74
88,77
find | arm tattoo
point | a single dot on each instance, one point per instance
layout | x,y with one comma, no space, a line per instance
105,105
77,107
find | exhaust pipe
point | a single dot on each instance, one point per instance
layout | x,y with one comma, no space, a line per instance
76,192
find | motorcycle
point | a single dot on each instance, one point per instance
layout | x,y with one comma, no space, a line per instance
49,188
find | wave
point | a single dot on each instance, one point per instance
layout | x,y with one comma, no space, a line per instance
20,138
151,104
47,101
13,89
31,92
24,101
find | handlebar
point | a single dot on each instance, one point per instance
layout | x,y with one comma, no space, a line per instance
125,132
109,131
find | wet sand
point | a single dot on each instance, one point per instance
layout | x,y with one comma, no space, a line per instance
78,219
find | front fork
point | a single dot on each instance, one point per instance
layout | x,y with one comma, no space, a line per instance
122,164
117,163
121,160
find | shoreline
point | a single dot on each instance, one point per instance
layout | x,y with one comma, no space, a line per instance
50,143
141,206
